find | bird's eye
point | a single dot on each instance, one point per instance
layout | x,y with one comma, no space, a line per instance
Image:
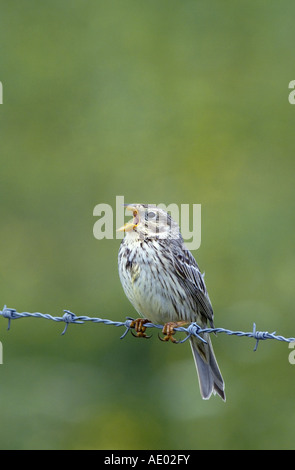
150,215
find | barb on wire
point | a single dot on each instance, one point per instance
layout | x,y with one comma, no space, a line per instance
192,329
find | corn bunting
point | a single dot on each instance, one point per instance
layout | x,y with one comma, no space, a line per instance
163,282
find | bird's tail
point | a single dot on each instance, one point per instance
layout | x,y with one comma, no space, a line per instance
210,378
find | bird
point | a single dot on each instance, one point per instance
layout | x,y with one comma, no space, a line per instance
163,282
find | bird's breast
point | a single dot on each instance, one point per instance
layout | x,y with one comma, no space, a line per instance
147,284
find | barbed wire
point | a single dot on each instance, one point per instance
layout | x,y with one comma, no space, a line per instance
192,329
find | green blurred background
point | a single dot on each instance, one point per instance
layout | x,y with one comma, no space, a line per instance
160,101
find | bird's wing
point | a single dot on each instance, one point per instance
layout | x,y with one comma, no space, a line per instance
188,270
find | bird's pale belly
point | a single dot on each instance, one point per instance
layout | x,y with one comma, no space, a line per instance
149,296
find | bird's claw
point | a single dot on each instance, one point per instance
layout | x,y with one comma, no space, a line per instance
139,328
167,338
168,331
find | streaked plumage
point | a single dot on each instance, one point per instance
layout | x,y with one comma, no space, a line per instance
162,280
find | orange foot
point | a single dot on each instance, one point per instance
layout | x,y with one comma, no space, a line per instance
139,328
169,331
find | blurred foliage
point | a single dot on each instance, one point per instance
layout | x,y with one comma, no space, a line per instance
160,101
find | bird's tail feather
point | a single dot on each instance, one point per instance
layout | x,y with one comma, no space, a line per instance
210,378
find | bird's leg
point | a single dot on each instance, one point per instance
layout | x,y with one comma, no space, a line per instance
139,328
169,331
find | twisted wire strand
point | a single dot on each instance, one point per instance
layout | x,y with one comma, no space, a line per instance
192,329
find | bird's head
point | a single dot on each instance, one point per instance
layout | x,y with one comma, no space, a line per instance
150,221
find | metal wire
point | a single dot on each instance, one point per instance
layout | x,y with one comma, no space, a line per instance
192,329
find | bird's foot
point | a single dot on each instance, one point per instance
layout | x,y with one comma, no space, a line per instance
139,328
169,331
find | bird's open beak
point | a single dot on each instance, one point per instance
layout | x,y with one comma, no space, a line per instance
131,224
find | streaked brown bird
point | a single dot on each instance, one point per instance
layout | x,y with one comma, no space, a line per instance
162,280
